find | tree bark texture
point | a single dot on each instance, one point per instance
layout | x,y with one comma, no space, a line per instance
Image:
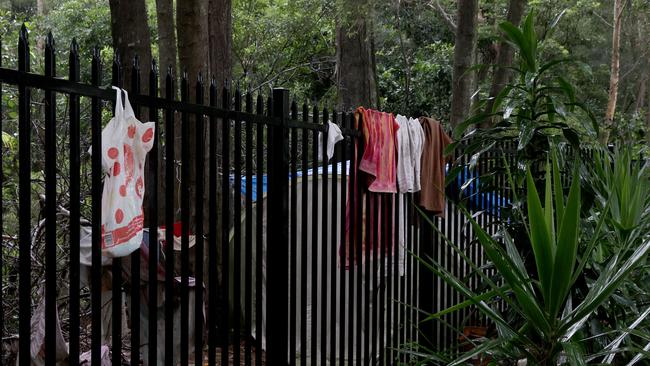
167,62
192,30
131,37
166,41
356,71
464,51
614,73
639,98
220,57
501,73
220,39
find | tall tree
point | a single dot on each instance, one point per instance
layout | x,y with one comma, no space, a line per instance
614,72
220,39
192,30
166,60
204,30
464,51
355,56
131,36
501,73
220,65
638,49
166,40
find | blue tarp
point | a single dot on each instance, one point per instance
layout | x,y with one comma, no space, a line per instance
310,172
468,182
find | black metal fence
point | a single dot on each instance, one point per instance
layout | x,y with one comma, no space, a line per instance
273,278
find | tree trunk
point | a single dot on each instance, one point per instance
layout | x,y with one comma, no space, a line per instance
220,57
615,69
166,41
192,28
464,50
501,74
356,72
639,99
40,11
131,37
637,50
167,62
220,39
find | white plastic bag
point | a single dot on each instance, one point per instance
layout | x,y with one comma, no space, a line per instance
125,144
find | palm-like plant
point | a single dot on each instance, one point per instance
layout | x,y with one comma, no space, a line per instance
544,314
538,107
619,181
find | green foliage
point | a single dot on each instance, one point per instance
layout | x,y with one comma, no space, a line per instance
414,59
619,181
285,44
546,317
536,105
531,113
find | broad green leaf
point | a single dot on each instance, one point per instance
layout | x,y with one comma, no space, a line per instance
549,65
476,119
558,190
526,299
513,253
451,148
452,174
498,100
531,38
568,88
525,135
567,248
540,238
515,36
572,136
548,206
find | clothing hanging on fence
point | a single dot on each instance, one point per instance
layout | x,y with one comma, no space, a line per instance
409,140
125,144
334,135
375,172
379,157
432,194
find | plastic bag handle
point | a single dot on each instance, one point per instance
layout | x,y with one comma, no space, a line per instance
128,110
119,110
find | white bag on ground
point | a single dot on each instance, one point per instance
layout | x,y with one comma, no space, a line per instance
125,144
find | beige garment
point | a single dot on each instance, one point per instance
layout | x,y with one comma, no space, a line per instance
432,175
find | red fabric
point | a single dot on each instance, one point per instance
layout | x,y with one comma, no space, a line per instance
374,226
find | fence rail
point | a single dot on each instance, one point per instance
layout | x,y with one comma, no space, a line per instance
273,277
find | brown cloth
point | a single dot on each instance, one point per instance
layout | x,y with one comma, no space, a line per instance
432,175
